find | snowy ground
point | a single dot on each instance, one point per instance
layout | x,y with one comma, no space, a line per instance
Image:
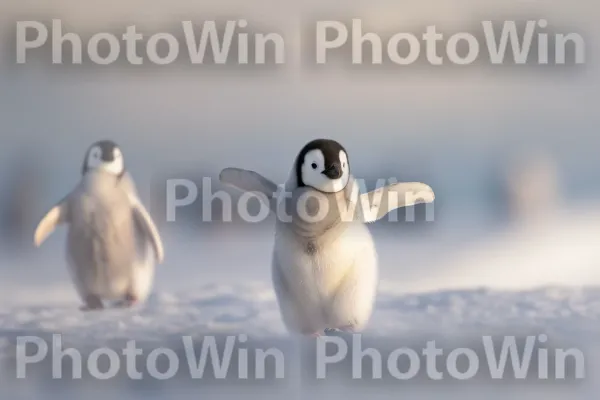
569,317
532,279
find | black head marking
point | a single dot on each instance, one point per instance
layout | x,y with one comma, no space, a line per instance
331,152
107,149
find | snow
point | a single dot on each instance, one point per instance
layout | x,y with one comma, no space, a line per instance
569,317
536,278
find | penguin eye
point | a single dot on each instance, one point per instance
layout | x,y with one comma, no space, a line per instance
314,165
344,165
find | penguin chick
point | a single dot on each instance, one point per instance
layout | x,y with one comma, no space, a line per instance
112,242
325,270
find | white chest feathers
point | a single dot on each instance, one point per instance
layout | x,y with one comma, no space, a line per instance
318,268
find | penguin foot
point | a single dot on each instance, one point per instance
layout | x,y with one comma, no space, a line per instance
343,331
128,302
347,328
92,303
307,333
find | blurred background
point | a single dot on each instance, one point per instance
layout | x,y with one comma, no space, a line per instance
511,151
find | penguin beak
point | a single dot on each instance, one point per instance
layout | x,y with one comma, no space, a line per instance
108,156
334,171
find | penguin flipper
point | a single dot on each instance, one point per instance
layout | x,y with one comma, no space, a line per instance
144,220
250,181
378,203
56,216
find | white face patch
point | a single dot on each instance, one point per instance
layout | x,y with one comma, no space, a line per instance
95,161
314,172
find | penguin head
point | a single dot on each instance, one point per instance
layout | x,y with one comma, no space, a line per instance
323,165
105,156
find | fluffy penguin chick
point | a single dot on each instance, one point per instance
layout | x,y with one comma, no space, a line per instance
112,242
324,264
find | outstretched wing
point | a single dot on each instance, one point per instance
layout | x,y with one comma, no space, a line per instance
144,220
250,181
59,214
378,203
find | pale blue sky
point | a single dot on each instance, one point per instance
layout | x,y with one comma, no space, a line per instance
447,124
